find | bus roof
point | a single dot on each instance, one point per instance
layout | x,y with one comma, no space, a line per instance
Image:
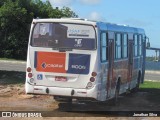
120,28
67,20
101,25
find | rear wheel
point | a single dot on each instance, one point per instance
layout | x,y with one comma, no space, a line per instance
116,96
69,107
60,99
117,93
138,81
66,105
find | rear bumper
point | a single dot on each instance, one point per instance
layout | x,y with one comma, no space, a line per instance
57,91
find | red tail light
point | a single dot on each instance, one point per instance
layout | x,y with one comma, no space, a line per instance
92,79
29,69
30,75
94,74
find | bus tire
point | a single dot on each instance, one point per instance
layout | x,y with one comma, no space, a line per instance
69,104
116,101
138,81
60,99
66,106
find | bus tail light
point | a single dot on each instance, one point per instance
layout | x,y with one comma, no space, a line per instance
30,75
94,74
92,79
29,69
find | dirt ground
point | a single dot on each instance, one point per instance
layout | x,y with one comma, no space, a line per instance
13,98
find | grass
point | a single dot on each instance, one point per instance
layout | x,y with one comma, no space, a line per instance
12,77
150,85
153,90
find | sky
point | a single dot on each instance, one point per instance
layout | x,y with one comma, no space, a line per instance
136,13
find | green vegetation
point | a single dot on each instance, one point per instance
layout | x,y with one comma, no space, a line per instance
150,58
12,77
15,20
150,85
153,91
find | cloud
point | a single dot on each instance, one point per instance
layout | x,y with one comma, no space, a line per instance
96,16
90,2
60,3
137,23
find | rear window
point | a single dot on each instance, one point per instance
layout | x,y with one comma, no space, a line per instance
56,35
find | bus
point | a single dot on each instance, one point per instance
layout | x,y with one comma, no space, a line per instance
83,59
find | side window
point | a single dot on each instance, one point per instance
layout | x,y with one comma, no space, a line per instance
140,45
118,46
135,45
104,46
125,46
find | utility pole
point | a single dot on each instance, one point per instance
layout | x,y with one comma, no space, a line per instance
156,55
159,56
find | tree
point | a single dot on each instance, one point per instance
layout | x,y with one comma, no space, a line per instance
15,19
67,12
12,24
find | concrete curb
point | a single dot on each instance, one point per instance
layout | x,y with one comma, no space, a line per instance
152,80
152,71
14,61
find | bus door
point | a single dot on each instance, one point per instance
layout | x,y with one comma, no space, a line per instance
130,60
110,62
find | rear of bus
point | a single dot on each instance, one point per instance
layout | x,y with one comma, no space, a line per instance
61,58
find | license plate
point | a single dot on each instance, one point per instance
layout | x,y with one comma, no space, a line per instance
59,78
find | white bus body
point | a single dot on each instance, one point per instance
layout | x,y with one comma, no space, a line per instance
83,59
